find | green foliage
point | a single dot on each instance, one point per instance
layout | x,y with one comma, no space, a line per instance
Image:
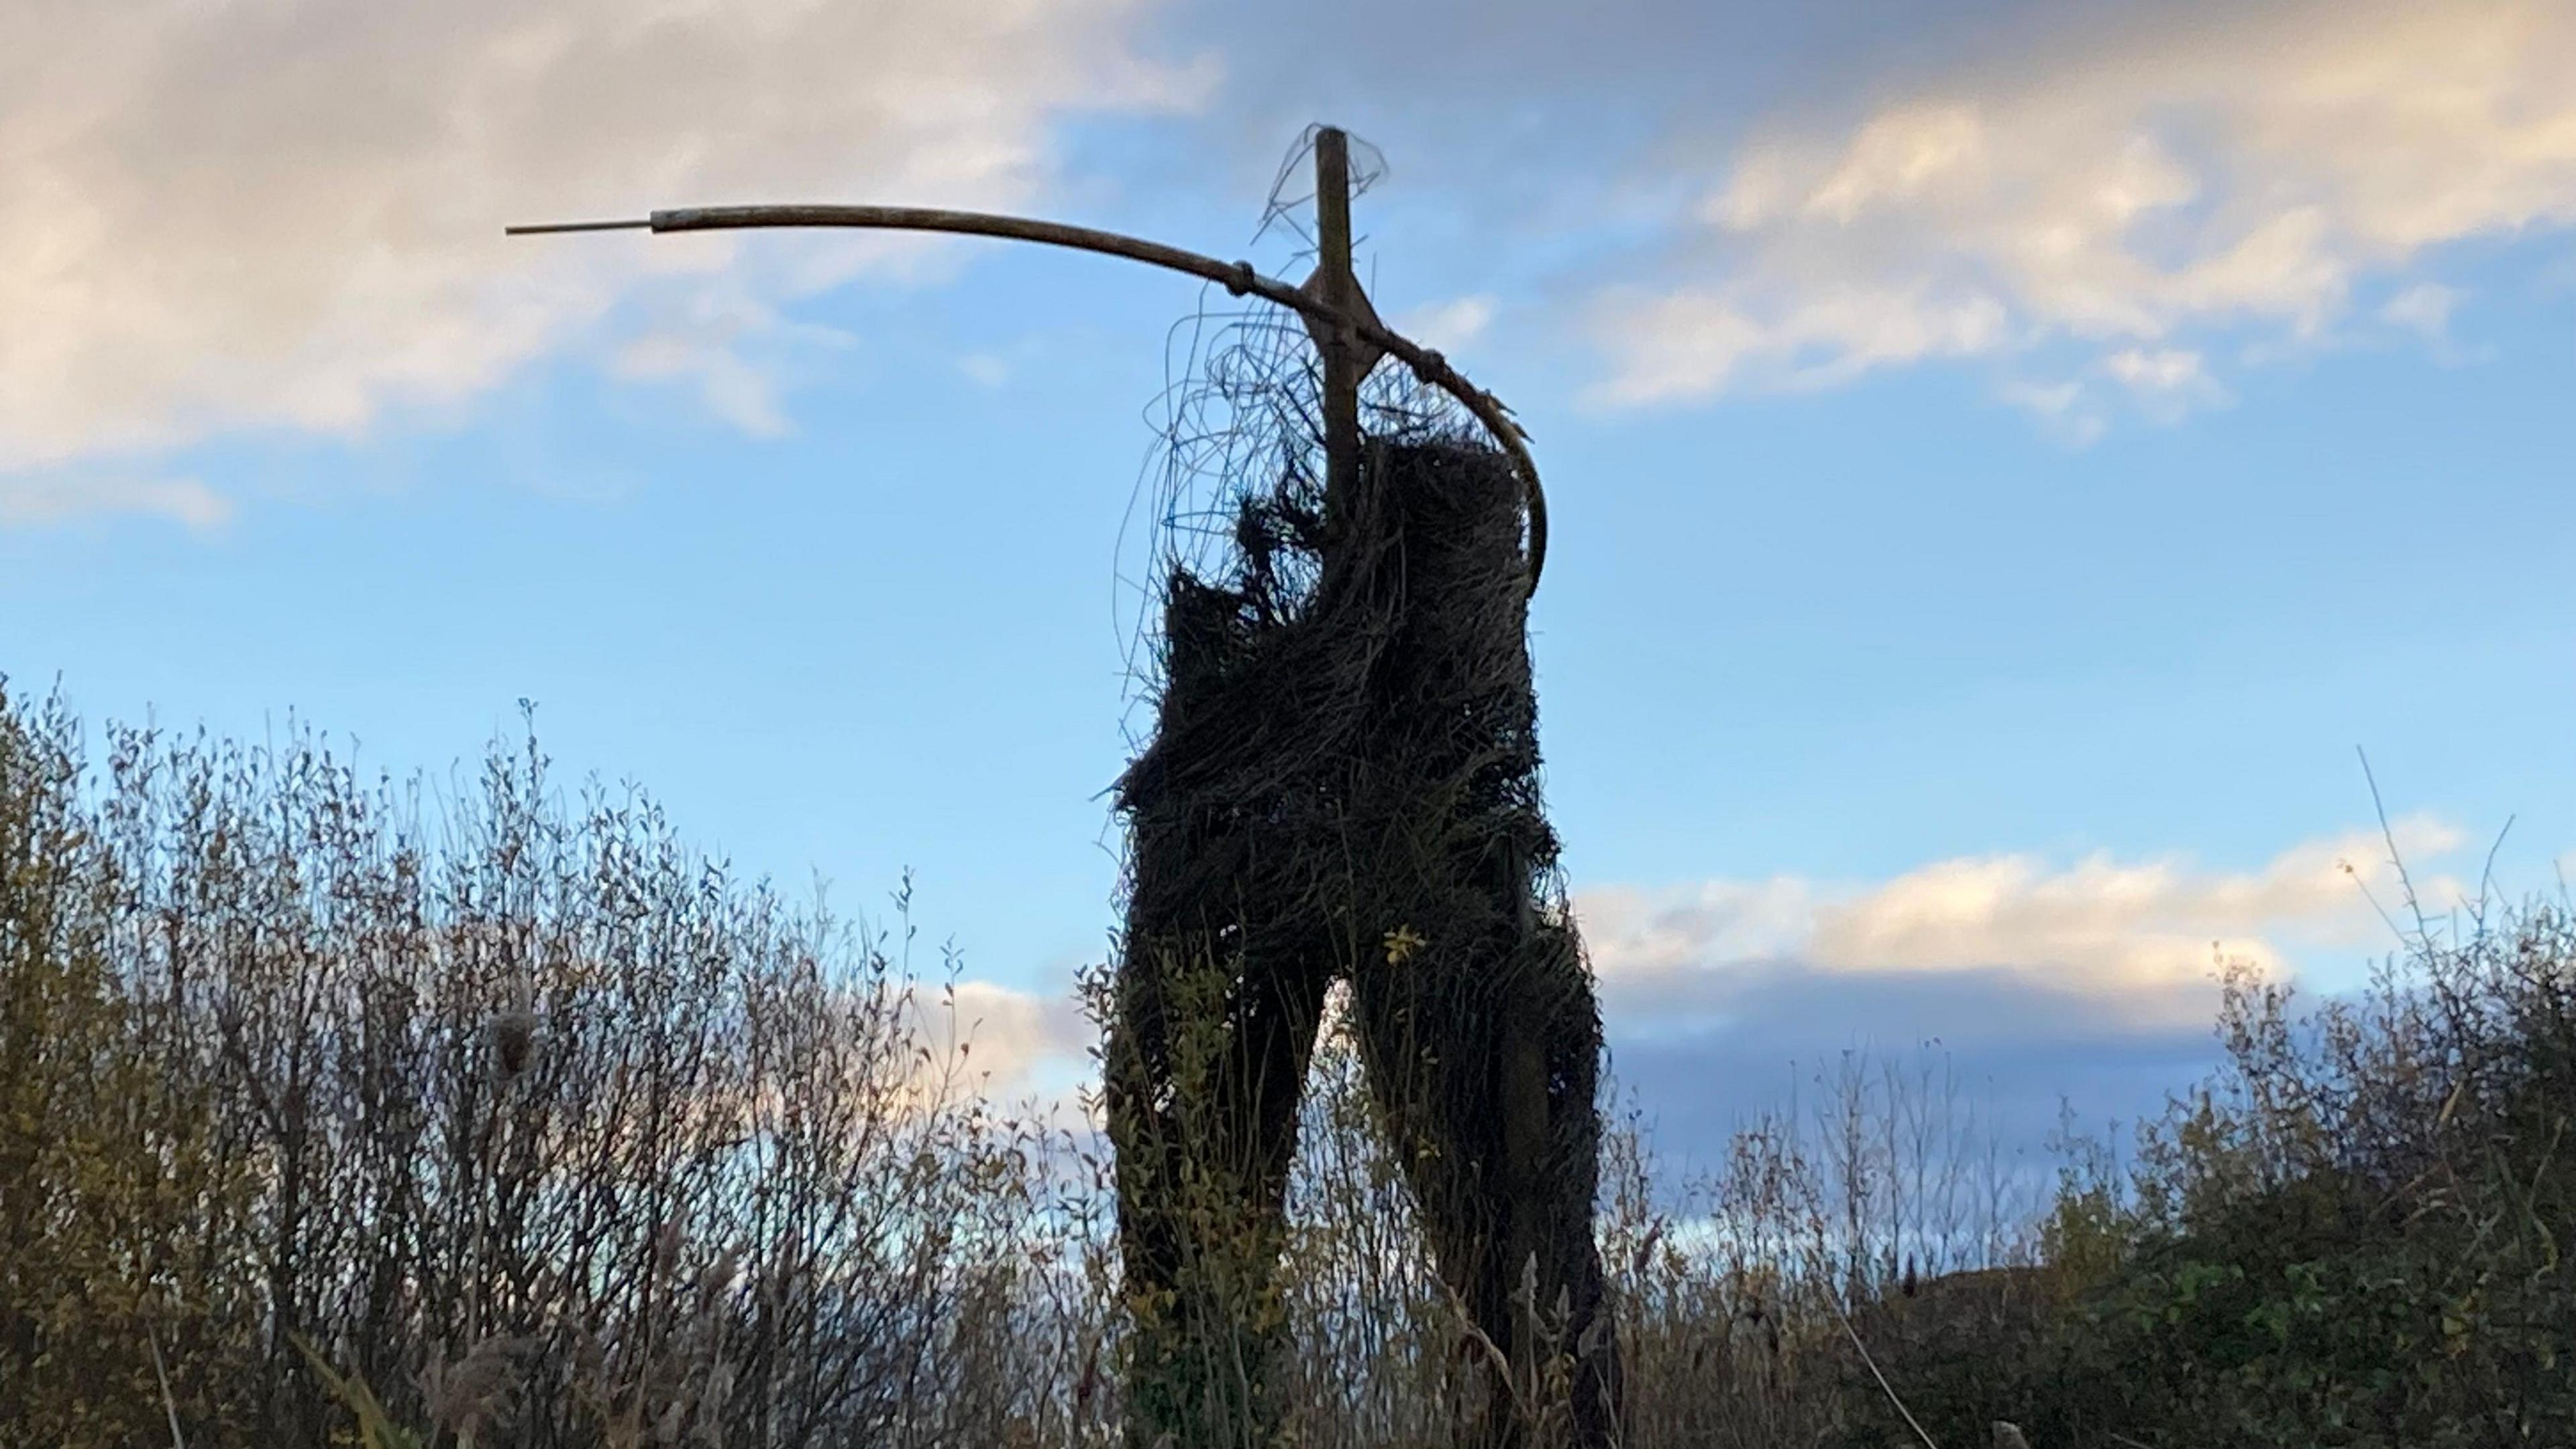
376,1428
2358,1234
111,1179
542,1127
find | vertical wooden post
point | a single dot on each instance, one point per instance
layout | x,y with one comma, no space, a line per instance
1338,287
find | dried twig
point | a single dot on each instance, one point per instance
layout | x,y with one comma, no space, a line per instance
169,1403
1834,1302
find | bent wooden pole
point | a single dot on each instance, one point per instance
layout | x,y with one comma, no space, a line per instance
1238,278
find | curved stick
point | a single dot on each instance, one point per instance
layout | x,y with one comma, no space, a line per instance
1236,277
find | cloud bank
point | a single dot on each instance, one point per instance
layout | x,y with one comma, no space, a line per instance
2090,983
288,214
2197,176
50,499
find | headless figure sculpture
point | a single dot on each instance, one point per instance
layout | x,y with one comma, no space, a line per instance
1343,786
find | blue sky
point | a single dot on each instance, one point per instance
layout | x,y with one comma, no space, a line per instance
2003,459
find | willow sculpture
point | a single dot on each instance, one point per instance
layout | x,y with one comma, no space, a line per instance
1341,785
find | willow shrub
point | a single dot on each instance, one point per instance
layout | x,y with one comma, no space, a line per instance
497,1107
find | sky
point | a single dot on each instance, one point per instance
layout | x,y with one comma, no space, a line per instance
2007,462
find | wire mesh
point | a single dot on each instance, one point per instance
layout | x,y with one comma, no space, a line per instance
1237,465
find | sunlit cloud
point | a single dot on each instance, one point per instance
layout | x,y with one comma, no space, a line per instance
2201,173
53,497
1451,325
2096,978
2142,938
288,216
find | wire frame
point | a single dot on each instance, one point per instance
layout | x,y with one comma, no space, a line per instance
1239,434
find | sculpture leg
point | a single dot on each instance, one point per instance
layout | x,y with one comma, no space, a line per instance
1486,1078
1205,1062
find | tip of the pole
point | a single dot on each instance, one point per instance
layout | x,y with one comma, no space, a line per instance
549,228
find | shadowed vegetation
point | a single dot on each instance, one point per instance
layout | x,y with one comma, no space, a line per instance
538,1129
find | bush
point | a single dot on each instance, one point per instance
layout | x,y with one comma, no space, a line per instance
118,1190
537,1124
2357,1234
504,1117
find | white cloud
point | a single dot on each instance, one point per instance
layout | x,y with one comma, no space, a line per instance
730,387
1700,341
2005,952
43,498
2166,370
2139,939
2064,407
998,1040
726,341
1448,326
2229,169
288,215
2167,382
2424,308
996,365
2021,985
985,369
